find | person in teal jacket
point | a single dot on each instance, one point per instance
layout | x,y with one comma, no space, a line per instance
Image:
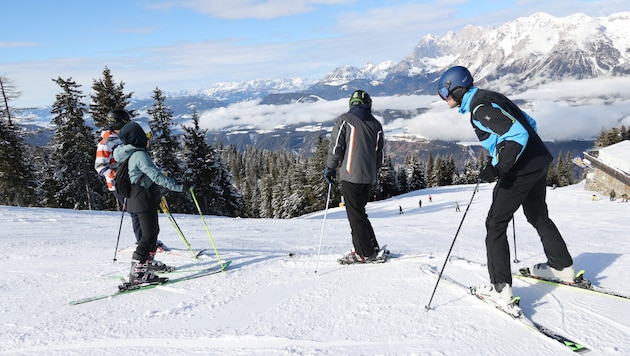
144,200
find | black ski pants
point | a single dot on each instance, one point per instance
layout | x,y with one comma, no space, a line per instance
150,230
530,192
135,222
356,197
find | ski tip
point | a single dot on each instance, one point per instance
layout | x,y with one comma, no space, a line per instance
524,271
199,253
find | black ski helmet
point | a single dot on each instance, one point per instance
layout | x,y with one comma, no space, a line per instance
116,119
360,97
455,82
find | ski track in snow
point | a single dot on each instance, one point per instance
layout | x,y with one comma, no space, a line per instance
270,303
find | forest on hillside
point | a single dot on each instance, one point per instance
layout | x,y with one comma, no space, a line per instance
254,183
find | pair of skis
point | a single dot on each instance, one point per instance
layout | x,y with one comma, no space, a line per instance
166,281
520,316
580,283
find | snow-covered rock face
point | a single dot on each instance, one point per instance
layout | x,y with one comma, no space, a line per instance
538,46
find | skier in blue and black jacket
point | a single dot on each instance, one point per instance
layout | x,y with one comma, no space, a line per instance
519,161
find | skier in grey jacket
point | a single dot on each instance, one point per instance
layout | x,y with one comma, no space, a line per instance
357,144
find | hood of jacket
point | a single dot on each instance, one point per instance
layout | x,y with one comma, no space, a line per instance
133,134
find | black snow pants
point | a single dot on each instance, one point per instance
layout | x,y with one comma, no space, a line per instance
528,191
150,230
356,197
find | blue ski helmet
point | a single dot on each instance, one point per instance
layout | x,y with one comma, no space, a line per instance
455,82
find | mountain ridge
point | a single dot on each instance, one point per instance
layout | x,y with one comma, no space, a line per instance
514,57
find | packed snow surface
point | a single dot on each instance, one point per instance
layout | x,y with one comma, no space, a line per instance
280,297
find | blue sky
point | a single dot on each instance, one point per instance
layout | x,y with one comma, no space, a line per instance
191,44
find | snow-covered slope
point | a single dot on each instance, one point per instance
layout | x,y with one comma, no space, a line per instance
273,304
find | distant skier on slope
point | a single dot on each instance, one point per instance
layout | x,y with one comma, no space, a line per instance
520,161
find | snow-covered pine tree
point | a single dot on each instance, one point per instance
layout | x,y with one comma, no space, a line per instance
387,180
17,177
205,170
430,171
73,149
415,174
401,178
107,96
165,149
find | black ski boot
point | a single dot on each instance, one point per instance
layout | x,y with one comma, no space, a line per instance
141,275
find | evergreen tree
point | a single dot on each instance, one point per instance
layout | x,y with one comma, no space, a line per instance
567,169
447,171
266,196
435,177
207,173
430,174
387,180
561,171
401,178
17,177
552,175
298,194
318,188
165,148
73,150
8,93
415,175
107,96
470,173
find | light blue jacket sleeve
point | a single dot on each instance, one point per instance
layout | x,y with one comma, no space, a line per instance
143,170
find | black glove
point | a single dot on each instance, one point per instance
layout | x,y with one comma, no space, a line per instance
329,175
488,173
187,186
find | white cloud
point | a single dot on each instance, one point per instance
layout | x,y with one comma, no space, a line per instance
562,110
256,9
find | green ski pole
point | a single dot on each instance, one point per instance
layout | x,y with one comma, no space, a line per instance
171,218
192,193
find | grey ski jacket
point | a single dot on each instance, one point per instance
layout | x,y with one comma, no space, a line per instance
357,143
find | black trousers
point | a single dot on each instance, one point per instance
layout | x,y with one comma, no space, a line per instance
356,197
135,222
150,230
530,192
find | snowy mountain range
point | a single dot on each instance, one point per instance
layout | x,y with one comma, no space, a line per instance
523,55
530,50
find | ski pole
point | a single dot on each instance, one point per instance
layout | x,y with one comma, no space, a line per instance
428,306
514,232
321,237
192,193
120,227
171,218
